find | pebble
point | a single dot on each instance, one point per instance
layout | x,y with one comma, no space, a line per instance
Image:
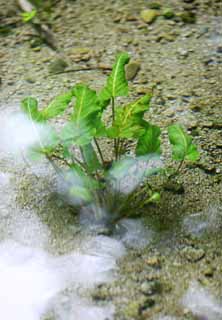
132,69
149,15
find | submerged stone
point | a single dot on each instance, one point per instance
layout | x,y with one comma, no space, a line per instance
149,15
132,69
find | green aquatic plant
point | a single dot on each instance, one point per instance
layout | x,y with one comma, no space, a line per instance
94,121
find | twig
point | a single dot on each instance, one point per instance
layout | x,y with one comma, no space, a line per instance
113,117
99,150
79,69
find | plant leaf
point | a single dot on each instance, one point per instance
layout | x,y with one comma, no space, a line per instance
87,105
84,120
28,16
182,146
58,105
149,142
29,105
116,85
77,135
129,122
90,157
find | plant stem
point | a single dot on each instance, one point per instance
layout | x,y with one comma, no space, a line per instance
113,117
99,151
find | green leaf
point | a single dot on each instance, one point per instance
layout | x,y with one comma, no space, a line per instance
29,105
90,158
149,142
28,16
82,185
80,194
78,135
87,105
155,198
85,118
58,105
116,85
182,146
129,122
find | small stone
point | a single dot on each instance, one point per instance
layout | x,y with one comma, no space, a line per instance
183,53
132,69
143,90
153,262
80,54
168,13
58,65
193,254
187,17
209,272
29,79
219,49
149,15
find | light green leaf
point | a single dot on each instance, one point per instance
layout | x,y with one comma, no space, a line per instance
87,105
117,84
129,122
29,105
80,194
149,142
58,105
182,146
28,16
78,135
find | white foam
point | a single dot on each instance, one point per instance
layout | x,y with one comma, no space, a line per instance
133,233
202,303
30,278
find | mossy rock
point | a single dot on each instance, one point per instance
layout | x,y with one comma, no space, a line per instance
149,15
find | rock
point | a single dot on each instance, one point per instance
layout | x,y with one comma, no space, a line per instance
153,262
58,65
132,69
183,53
193,254
30,79
219,49
209,272
149,15
80,54
168,13
187,17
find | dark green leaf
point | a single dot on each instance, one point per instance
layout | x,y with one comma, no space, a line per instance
149,142
182,146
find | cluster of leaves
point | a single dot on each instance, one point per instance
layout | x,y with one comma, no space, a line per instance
41,12
77,145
